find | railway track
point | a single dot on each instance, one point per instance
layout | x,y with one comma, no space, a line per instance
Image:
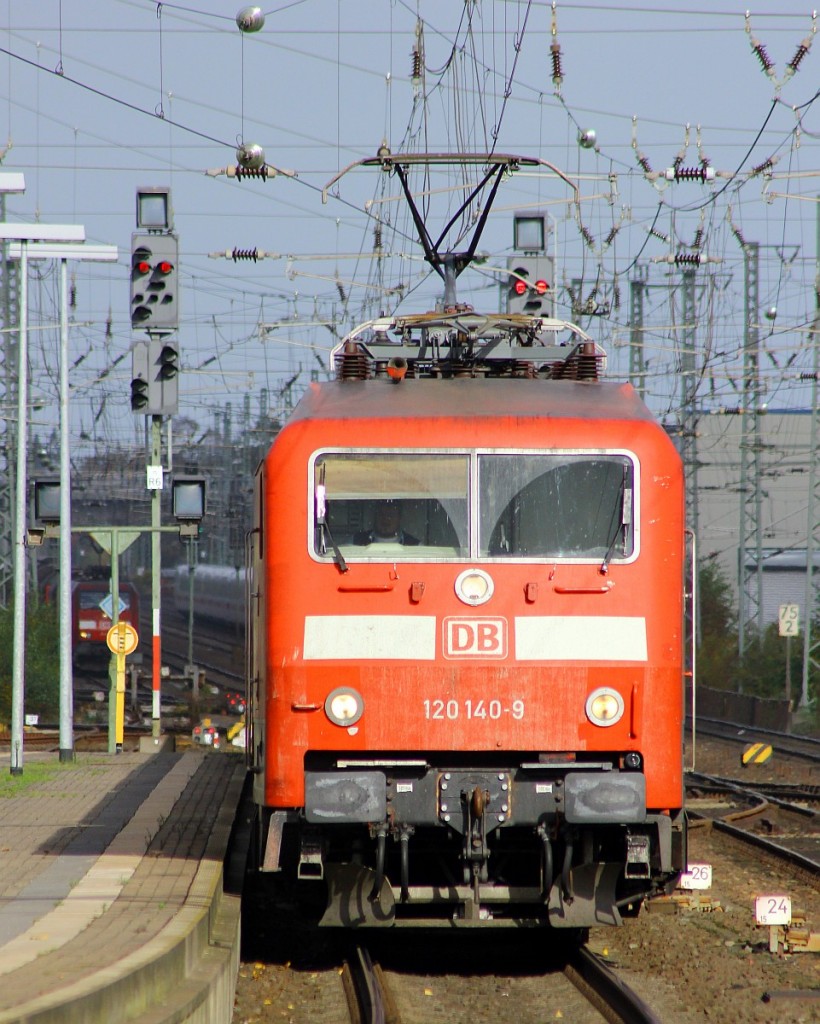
696,961
215,651
368,998
47,740
400,978
584,988
788,831
797,746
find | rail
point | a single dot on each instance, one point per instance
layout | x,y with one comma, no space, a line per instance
610,995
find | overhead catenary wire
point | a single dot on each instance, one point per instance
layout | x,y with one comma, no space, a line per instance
625,251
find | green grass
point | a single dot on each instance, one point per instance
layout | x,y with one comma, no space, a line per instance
33,774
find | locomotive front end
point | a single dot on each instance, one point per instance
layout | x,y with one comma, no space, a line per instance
467,679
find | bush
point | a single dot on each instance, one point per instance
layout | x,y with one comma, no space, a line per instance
42,665
717,652
762,672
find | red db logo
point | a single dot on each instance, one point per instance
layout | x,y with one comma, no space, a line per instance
475,638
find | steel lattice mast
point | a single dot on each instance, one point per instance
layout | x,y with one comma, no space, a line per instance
811,643
750,578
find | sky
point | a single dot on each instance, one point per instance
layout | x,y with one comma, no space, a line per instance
98,100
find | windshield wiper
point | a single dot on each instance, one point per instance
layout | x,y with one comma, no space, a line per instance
324,527
625,496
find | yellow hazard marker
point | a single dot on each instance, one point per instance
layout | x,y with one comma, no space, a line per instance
757,753
236,729
122,640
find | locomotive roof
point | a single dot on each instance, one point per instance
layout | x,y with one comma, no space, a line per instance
471,398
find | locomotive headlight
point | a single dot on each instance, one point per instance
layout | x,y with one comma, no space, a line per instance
474,586
604,706
344,706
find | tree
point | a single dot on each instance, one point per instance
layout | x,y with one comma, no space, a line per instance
717,653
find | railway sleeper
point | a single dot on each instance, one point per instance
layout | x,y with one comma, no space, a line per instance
477,846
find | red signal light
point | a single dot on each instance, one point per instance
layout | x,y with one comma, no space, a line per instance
165,267
519,287
142,266
541,287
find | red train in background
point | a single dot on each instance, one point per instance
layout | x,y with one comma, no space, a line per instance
466,631
92,617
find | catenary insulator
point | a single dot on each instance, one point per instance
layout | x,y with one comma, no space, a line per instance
524,368
690,173
415,67
587,362
759,51
800,53
250,155
352,363
241,172
245,254
250,19
557,72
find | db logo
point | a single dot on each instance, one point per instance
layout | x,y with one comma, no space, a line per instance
475,638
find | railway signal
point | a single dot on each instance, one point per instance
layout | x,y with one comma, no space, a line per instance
163,369
154,282
139,377
530,284
188,503
154,377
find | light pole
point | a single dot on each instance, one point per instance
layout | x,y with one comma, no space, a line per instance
63,242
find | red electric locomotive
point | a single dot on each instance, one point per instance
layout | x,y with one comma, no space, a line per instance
92,616
465,611
466,679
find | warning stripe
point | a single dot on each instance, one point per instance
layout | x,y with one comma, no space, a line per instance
757,753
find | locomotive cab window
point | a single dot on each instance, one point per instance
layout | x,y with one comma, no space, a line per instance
555,506
101,599
383,505
504,505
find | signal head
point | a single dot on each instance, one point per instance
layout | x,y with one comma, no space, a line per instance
154,281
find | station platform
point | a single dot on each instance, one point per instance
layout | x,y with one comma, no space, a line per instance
111,888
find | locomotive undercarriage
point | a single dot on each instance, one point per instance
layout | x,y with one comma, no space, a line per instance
399,842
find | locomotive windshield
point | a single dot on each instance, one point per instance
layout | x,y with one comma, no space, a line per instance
378,503
381,505
101,599
555,506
